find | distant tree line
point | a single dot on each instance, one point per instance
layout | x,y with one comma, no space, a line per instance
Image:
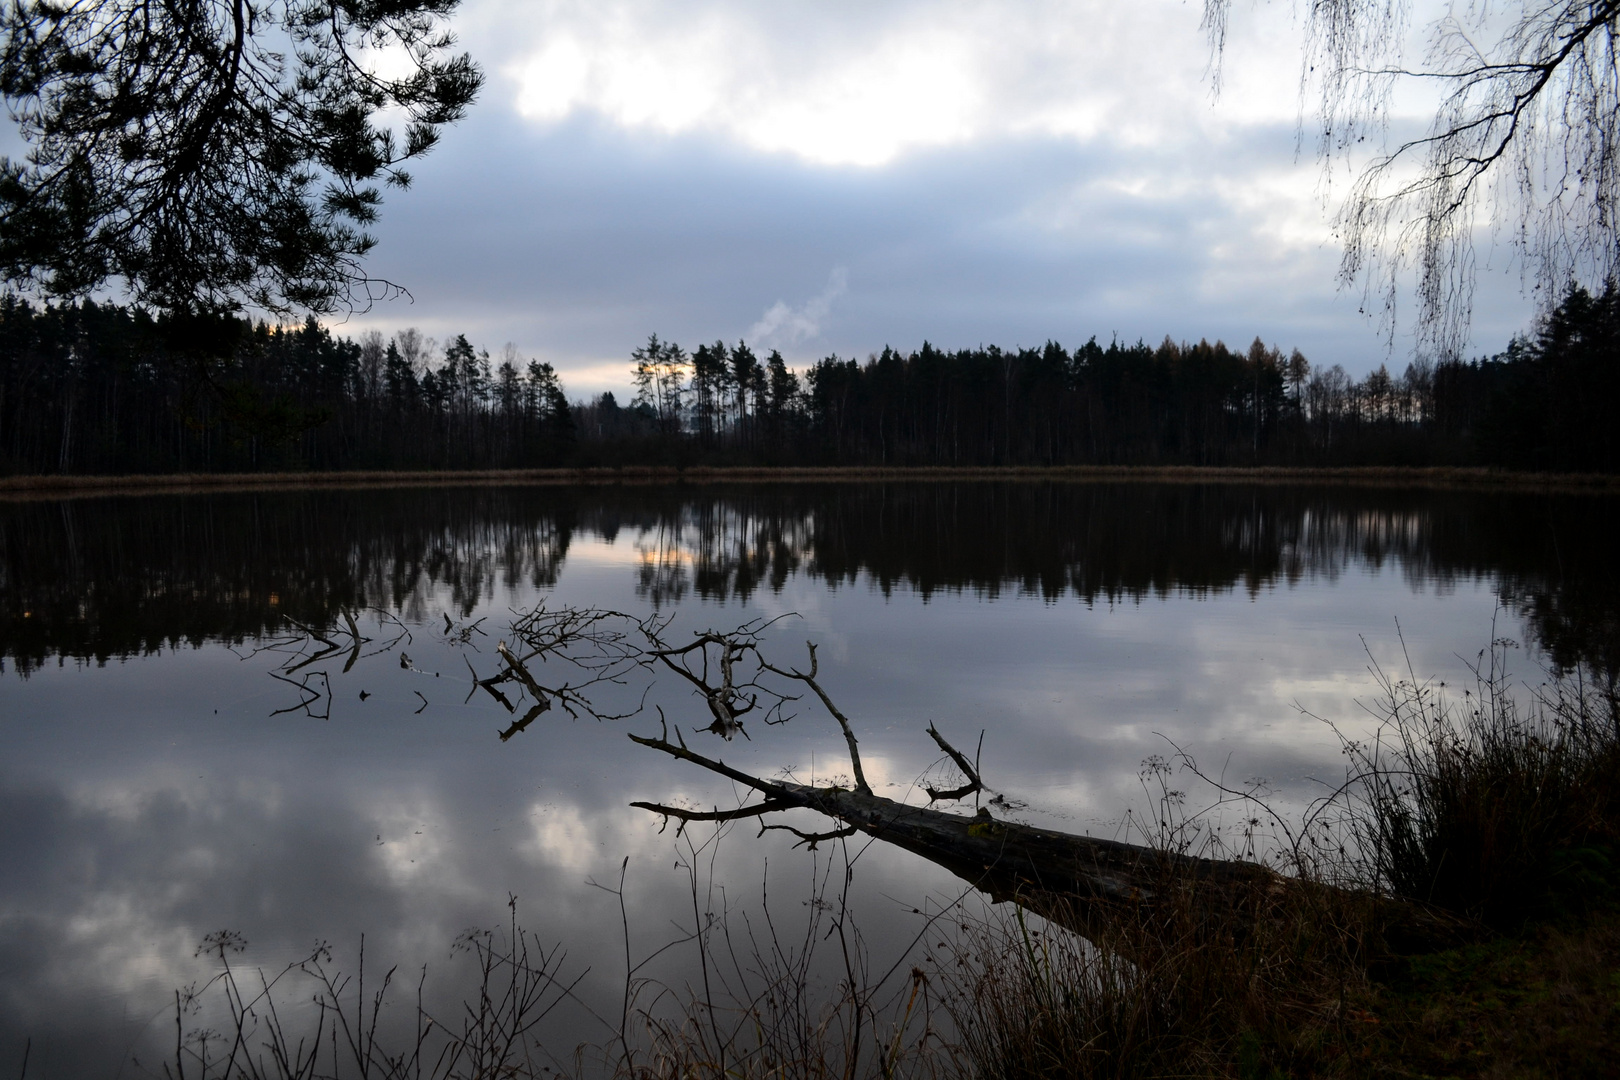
1545,403
102,388
91,388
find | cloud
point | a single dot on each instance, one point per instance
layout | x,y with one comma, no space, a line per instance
782,325
988,173
845,84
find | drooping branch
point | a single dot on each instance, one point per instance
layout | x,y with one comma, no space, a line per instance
1525,131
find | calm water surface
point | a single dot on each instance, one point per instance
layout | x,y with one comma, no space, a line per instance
157,782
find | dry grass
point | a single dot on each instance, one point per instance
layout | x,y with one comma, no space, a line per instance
1500,805
1469,927
1187,993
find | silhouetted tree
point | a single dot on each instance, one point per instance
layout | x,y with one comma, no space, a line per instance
209,155
1527,121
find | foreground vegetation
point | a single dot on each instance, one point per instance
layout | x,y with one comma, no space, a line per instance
92,389
1451,911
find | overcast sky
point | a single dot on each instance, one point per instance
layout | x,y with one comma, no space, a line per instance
836,176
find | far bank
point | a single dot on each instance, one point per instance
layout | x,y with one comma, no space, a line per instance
64,486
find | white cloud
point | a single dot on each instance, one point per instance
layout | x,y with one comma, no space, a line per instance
854,85
782,325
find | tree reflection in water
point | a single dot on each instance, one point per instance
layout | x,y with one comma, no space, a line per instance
98,578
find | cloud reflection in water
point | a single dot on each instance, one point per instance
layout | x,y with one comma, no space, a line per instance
1075,624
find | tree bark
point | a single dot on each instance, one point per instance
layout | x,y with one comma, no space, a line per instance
1072,879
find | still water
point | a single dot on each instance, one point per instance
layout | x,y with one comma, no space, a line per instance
159,782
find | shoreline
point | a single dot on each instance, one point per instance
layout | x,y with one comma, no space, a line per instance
1430,477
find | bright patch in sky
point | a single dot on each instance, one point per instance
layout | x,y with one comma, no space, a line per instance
834,176
840,85
863,111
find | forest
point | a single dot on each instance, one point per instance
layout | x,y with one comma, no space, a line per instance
93,388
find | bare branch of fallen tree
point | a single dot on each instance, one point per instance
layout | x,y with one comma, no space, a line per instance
809,679
308,695
520,671
301,641
523,722
973,786
737,693
685,816
600,646
488,684
328,646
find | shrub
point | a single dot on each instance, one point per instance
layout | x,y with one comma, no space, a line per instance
1501,809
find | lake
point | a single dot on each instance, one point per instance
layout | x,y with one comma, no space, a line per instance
173,762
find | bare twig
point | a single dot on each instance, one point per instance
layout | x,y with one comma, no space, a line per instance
809,679
973,785
810,840
308,694
524,721
735,695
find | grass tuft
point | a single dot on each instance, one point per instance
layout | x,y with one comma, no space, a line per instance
1502,810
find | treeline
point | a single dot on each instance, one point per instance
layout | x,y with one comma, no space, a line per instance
1544,403
91,388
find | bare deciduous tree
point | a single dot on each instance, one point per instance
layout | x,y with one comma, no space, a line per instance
1523,139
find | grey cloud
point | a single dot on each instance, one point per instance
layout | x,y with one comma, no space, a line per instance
577,241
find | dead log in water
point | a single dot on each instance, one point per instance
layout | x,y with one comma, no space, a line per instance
1087,884
1005,859
1069,877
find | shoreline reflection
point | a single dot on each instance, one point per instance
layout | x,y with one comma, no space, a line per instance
94,580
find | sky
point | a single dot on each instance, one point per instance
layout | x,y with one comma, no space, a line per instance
840,176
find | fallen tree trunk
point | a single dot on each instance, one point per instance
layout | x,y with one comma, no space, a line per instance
1075,880
1090,886
1084,883
1007,860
